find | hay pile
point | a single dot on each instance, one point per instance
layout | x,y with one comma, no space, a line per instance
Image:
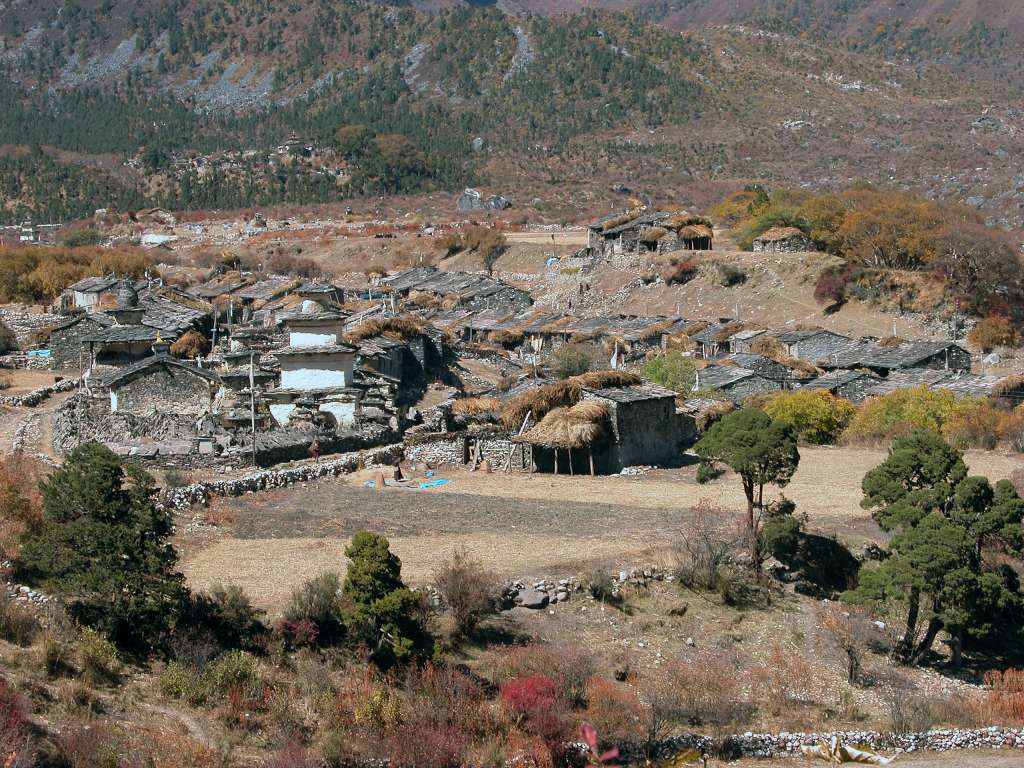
398,328
475,406
561,394
578,426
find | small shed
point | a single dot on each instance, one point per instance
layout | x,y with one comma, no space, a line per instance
783,240
852,385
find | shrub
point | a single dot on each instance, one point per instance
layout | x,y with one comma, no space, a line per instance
973,426
708,472
781,537
20,506
680,272
672,370
573,359
236,671
467,588
899,413
784,679
191,345
533,702
1005,695
100,665
601,586
730,275
830,289
615,711
15,729
907,710
993,332
570,668
705,546
316,602
293,755
817,416
228,615
849,629
1011,428
18,624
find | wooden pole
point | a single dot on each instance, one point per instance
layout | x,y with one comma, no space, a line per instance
570,462
590,454
252,401
556,461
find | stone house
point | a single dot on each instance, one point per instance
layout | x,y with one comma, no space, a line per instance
742,341
644,428
733,382
764,366
783,240
66,340
471,290
813,344
162,384
640,231
852,385
85,295
883,359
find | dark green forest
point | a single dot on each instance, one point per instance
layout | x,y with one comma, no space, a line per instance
525,86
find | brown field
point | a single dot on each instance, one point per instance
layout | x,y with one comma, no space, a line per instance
533,525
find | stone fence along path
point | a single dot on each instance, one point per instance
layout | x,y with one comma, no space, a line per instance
37,396
200,493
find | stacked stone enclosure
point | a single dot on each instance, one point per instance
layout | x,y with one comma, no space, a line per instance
165,389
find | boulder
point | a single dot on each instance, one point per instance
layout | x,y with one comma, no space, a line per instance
532,598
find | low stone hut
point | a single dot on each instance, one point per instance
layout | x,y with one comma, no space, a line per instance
783,240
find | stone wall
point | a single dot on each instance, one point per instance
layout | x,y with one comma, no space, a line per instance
165,389
452,448
25,324
65,345
83,418
37,396
794,244
200,493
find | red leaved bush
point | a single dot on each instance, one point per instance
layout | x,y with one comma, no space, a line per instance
534,700
16,748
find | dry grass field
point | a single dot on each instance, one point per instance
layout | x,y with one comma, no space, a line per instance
519,525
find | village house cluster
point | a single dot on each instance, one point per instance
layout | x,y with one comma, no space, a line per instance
267,368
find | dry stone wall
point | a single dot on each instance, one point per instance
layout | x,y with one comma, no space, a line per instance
200,493
37,396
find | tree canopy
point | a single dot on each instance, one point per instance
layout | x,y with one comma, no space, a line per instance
943,523
103,546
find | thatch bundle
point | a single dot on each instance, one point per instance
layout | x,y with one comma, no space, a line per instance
729,329
557,325
891,342
695,232
578,426
683,219
656,330
507,336
398,328
561,394
1008,385
694,328
652,234
618,221
767,346
474,406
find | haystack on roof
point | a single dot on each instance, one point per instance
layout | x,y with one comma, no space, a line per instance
695,232
568,392
578,426
653,234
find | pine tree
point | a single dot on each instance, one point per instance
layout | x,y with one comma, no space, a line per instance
103,547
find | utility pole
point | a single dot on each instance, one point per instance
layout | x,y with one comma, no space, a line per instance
252,401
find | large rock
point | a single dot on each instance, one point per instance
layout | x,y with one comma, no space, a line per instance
472,200
532,598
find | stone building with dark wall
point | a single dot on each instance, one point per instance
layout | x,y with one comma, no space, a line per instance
66,340
644,427
162,384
